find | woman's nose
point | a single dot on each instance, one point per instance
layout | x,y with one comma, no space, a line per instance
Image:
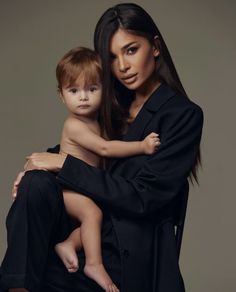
123,65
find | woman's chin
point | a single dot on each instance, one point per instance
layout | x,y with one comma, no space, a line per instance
131,86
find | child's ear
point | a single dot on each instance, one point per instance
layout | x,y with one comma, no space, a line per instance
60,95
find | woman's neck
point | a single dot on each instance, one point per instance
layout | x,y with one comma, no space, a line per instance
143,93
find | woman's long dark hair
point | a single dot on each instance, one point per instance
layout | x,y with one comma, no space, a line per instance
134,19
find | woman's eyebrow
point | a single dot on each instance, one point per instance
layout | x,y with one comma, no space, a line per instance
123,48
127,45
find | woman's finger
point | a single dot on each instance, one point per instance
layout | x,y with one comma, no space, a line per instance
16,184
18,178
26,164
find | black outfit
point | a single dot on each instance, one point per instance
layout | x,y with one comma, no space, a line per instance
36,221
138,191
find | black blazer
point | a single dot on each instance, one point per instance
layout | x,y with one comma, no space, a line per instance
140,191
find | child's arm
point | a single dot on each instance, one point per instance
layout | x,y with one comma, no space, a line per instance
80,133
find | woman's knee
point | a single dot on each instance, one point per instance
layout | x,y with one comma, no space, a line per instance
39,187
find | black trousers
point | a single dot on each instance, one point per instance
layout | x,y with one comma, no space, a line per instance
36,221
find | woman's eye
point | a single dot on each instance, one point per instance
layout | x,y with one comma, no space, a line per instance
132,50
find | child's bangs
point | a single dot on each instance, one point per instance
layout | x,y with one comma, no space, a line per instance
82,75
89,74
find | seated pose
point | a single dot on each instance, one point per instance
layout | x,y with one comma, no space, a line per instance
79,76
137,194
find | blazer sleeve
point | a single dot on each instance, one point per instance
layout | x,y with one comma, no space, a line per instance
156,183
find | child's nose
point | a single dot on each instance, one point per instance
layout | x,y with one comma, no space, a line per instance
83,96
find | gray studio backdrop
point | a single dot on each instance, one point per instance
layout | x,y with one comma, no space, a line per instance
35,34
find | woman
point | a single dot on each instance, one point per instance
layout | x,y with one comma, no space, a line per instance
137,194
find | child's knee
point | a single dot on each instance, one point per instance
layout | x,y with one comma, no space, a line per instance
93,213
97,213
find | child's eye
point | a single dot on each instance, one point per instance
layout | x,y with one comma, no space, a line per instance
73,90
93,88
131,50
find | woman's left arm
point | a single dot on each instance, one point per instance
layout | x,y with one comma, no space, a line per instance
157,182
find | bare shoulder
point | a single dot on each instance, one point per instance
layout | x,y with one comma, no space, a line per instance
73,126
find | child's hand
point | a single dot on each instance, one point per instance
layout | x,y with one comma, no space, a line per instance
151,143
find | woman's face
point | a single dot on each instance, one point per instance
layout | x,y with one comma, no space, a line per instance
132,59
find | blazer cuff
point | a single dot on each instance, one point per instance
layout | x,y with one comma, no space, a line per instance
70,172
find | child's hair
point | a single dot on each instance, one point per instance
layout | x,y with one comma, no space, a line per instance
80,63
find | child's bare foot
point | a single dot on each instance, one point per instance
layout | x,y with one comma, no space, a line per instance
99,275
66,252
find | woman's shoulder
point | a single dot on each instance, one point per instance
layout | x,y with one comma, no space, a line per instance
165,98
182,103
181,108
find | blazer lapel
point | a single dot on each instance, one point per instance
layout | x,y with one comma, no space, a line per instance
159,97
137,127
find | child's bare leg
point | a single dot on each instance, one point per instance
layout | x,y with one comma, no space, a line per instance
90,217
66,250
91,221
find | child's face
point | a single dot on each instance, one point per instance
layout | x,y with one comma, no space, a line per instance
82,100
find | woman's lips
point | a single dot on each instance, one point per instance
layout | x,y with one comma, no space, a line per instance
129,79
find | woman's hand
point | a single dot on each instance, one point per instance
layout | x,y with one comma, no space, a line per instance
16,184
45,161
